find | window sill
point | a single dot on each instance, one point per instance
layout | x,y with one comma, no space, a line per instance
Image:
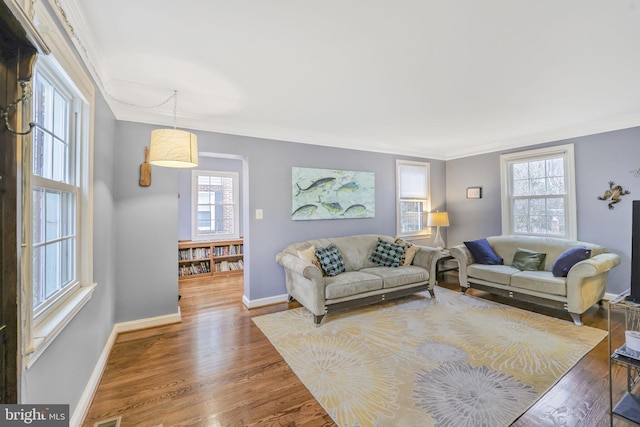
50,328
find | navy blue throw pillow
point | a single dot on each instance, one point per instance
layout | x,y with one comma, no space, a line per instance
483,253
568,259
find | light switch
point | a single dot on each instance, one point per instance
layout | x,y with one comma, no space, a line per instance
258,213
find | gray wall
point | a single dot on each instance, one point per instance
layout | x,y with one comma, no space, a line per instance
599,159
146,232
62,372
142,293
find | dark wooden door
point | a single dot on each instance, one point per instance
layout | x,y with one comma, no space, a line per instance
16,62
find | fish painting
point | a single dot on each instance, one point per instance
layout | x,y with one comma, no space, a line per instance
315,185
349,186
318,194
357,210
305,210
333,207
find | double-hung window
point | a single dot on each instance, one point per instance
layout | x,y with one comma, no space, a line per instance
538,192
57,216
215,205
412,182
55,192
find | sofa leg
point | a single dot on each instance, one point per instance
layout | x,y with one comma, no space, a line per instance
601,303
432,293
463,289
290,298
576,319
317,319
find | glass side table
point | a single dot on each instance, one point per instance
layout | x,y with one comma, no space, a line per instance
628,407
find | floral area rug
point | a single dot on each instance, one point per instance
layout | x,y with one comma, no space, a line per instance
455,360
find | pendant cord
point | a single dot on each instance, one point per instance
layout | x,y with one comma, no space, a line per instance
175,109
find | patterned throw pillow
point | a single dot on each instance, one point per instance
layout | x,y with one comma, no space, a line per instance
409,251
331,260
387,254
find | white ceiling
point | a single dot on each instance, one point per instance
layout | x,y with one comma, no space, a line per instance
431,78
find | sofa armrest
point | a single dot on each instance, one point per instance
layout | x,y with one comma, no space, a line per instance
587,281
298,265
427,258
464,258
304,282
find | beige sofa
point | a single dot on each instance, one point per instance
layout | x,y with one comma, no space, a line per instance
583,287
363,282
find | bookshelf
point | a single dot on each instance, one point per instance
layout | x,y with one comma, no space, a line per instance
210,258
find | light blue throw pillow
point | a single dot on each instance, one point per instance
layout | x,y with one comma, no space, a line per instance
330,260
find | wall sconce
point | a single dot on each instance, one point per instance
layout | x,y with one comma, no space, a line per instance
173,148
438,219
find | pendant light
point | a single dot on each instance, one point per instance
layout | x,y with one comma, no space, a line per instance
173,148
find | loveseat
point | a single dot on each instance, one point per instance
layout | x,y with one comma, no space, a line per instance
570,275
365,280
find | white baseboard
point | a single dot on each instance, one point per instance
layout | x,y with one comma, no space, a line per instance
149,322
90,389
609,296
264,301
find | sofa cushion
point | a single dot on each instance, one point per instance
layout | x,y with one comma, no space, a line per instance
568,259
387,254
492,273
482,252
527,260
541,281
403,275
351,283
330,260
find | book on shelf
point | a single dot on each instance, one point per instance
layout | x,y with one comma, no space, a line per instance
196,268
229,265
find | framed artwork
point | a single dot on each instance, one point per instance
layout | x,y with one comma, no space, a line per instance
331,194
474,192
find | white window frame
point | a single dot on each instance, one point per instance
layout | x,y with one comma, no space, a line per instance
567,153
195,235
40,329
426,201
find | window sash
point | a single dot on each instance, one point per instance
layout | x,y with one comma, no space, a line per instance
412,197
55,194
538,192
215,210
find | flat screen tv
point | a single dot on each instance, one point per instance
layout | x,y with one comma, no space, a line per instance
634,295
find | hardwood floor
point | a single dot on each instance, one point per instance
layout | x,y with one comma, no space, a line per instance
216,368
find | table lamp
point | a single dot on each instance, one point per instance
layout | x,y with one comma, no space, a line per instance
438,219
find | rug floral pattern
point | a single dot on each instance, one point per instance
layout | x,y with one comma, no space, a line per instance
453,360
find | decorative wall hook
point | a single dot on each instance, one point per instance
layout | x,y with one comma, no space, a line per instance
6,111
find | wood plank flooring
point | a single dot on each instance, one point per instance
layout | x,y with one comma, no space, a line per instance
216,368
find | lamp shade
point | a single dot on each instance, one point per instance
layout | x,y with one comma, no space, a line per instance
437,219
173,148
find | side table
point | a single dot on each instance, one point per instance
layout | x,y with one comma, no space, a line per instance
444,264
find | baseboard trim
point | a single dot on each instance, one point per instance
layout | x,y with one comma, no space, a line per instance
150,322
118,328
609,296
262,302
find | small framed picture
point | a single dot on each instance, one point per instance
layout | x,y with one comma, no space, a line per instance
474,192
